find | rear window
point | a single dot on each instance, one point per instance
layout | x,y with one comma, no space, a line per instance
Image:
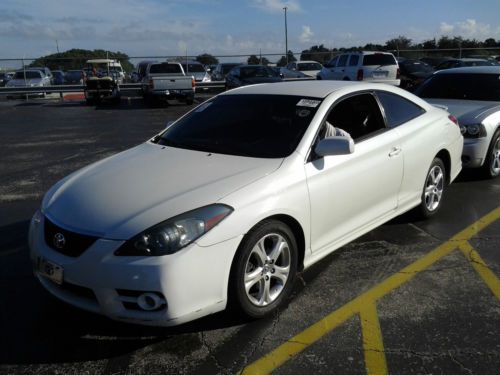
379,59
165,68
309,66
462,86
227,67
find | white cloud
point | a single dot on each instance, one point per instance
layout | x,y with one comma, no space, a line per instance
470,29
446,28
276,6
306,34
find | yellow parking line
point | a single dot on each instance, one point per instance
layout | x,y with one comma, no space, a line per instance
481,268
310,335
373,344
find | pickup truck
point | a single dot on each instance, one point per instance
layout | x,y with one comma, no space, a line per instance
167,80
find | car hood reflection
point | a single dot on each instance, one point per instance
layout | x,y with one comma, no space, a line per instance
125,194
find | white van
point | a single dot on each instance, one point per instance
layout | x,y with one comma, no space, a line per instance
370,66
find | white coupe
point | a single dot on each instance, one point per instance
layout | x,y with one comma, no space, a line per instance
229,202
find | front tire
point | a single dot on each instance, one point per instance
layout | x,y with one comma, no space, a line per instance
432,193
264,269
491,165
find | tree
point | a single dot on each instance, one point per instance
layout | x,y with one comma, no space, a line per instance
401,42
76,58
429,44
207,59
316,53
253,60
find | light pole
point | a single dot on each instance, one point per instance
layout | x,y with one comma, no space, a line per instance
286,37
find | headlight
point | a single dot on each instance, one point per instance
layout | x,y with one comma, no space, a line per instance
173,234
473,130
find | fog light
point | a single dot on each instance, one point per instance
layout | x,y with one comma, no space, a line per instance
149,301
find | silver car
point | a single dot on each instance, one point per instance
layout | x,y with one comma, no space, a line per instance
473,95
29,78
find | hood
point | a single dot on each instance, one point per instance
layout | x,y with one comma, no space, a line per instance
125,194
252,80
467,111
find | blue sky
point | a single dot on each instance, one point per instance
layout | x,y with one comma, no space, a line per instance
30,28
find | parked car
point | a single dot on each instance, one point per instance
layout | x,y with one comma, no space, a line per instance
5,77
458,63
229,202
28,78
58,77
435,60
291,74
220,71
363,66
45,71
197,70
75,76
310,68
242,75
413,73
168,81
473,95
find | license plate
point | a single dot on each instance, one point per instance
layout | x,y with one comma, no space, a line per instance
380,74
50,270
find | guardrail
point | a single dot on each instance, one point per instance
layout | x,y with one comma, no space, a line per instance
80,88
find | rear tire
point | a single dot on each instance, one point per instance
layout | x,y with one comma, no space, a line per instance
433,191
264,269
491,167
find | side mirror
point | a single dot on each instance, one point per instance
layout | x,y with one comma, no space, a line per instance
282,75
335,146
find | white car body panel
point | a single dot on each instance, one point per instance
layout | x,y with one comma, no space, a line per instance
332,200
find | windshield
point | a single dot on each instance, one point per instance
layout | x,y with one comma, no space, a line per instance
257,71
261,126
193,68
29,75
379,59
309,66
416,66
462,86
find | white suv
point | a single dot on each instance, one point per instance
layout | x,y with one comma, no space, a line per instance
362,66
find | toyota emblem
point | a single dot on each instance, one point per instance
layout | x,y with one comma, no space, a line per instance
59,240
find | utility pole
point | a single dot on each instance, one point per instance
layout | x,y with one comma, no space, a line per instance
57,45
286,36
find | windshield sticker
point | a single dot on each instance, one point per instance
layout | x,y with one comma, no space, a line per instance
308,103
202,107
303,112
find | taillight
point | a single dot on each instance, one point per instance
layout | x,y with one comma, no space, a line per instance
360,75
151,84
193,83
453,119
398,73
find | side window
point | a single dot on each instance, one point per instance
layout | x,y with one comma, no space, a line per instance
332,62
359,115
342,60
398,110
353,61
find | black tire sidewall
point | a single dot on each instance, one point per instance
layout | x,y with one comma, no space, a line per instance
487,164
237,294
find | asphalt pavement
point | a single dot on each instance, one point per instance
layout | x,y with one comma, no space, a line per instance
411,297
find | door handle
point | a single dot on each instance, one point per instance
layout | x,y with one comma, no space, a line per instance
394,152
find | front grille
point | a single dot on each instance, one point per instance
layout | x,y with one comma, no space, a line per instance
65,242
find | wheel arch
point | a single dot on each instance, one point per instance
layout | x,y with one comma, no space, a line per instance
444,155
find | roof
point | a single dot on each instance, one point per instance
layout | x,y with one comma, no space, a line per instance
100,61
310,88
472,70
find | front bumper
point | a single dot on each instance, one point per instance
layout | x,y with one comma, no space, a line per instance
474,152
193,282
